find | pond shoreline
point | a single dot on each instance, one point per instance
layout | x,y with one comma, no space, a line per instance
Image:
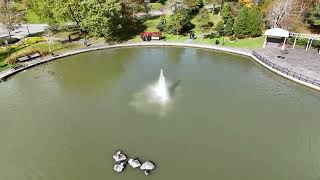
244,52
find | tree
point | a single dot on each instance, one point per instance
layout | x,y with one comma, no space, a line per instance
103,19
226,12
246,2
205,23
112,19
220,28
280,10
315,16
162,26
194,5
255,22
9,15
229,27
249,22
241,24
176,5
180,22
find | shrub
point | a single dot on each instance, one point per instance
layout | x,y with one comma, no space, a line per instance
3,64
217,42
10,41
13,59
33,40
232,38
212,35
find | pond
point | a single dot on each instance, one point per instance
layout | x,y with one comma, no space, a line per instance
228,119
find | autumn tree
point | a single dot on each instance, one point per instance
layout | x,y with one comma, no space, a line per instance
246,2
280,10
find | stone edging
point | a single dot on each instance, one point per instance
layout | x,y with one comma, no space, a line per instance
9,72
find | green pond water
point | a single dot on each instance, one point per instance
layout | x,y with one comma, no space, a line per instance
228,119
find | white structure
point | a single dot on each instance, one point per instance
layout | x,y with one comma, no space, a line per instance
310,38
282,33
276,33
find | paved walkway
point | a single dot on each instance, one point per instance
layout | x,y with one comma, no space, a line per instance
22,30
298,60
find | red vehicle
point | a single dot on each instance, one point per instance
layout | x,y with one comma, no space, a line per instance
148,36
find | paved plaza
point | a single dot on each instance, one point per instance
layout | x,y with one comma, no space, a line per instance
297,60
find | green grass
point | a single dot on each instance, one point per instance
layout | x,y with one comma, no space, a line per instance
214,18
42,46
156,6
5,67
151,24
249,43
57,47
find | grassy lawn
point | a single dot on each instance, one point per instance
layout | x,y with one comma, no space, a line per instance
152,23
5,67
214,18
57,47
156,6
42,46
249,43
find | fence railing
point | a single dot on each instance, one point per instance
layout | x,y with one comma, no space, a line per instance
286,70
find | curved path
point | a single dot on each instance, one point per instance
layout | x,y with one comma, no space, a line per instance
245,52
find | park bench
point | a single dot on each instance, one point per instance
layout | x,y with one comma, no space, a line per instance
29,57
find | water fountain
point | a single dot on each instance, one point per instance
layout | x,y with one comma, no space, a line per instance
155,98
160,91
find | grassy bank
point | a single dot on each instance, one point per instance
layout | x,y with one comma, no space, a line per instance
249,43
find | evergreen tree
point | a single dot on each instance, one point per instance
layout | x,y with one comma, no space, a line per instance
255,22
220,28
241,28
315,16
229,27
162,26
226,12
204,21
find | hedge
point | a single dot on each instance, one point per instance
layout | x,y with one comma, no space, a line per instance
10,41
13,59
